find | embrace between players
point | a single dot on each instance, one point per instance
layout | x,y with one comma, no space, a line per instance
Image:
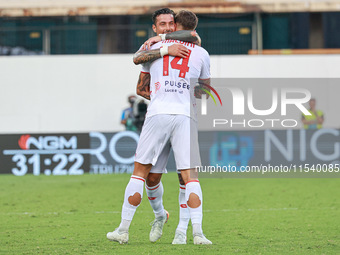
169,66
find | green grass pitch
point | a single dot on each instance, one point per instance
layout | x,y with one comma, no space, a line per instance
72,214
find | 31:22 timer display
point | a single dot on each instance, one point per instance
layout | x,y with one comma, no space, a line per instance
52,164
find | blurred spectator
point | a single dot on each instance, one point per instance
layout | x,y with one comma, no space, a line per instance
316,119
128,119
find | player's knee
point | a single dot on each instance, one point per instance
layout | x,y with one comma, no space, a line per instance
193,201
152,181
135,199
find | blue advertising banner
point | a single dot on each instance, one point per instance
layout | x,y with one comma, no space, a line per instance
113,153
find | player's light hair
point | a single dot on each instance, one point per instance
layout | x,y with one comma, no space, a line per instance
187,19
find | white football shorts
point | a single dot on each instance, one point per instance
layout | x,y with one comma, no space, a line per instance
160,166
154,148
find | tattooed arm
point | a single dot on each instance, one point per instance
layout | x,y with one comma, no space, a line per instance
143,85
143,55
183,35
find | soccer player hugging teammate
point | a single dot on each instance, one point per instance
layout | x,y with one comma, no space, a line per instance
168,119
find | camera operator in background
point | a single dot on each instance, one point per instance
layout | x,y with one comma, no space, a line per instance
139,110
133,117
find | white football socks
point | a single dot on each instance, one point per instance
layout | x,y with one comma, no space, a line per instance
155,196
196,214
184,214
135,185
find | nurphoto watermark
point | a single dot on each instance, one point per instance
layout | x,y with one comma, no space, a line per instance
268,127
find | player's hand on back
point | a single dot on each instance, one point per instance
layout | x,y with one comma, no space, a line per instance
151,41
195,34
178,50
197,92
203,88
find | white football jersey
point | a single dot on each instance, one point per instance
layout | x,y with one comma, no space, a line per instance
170,88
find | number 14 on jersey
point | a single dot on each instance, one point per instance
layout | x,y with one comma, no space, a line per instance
183,68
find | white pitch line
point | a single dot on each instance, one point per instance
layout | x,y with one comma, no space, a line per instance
116,212
205,211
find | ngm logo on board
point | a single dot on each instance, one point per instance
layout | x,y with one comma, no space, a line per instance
48,155
247,107
27,142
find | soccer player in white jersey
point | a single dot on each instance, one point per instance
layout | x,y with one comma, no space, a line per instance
163,24
169,118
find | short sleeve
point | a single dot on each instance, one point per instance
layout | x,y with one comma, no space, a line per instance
145,67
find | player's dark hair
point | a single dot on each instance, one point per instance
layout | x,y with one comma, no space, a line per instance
187,19
161,11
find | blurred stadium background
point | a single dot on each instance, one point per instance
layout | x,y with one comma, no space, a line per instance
226,27
66,71
91,43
